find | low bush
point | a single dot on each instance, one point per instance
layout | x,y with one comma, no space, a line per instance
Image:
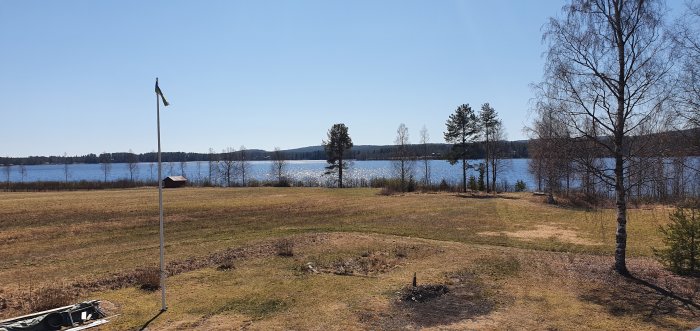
284,247
226,266
472,185
393,185
46,298
148,279
284,182
401,251
444,186
387,190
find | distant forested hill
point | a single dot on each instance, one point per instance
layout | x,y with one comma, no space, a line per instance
516,149
683,142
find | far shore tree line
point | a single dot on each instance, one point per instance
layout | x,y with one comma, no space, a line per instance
518,150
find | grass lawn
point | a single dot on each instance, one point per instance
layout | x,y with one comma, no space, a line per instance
507,262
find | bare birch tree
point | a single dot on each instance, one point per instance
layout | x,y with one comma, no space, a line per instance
487,120
132,164
66,170
199,171
106,164
243,167
212,160
22,172
227,165
499,153
424,140
549,136
686,35
183,166
8,171
151,165
403,160
491,127
606,63
279,166
171,168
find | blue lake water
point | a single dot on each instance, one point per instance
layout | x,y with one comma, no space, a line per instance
310,171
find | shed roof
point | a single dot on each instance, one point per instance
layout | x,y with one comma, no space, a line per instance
176,178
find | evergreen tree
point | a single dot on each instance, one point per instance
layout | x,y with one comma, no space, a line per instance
462,128
682,239
336,146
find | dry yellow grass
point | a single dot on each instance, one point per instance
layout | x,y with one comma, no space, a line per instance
562,280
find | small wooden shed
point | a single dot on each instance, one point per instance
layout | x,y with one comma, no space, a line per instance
174,181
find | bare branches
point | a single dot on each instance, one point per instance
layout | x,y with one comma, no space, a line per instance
686,36
606,70
403,159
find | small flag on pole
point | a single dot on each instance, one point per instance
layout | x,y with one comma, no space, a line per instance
160,93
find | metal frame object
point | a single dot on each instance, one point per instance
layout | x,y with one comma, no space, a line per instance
73,317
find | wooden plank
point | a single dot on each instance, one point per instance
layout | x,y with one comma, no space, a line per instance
32,315
88,326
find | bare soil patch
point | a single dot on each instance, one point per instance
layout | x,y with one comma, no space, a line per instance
544,232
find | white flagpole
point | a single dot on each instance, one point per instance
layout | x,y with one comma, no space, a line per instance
164,307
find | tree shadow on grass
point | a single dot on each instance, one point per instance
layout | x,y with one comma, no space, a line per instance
656,300
145,325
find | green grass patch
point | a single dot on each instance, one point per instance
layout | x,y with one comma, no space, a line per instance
253,307
497,267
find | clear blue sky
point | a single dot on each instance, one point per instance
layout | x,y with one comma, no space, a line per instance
77,76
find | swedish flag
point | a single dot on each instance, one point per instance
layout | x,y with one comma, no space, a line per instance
160,93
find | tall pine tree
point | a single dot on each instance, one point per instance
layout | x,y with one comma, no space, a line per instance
462,128
336,146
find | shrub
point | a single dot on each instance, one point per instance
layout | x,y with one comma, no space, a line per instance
682,238
504,186
226,266
283,182
472,183
284,247
393,185
46,298
444,186
387,190
253,183
411,185
148,279
520,186
401,251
